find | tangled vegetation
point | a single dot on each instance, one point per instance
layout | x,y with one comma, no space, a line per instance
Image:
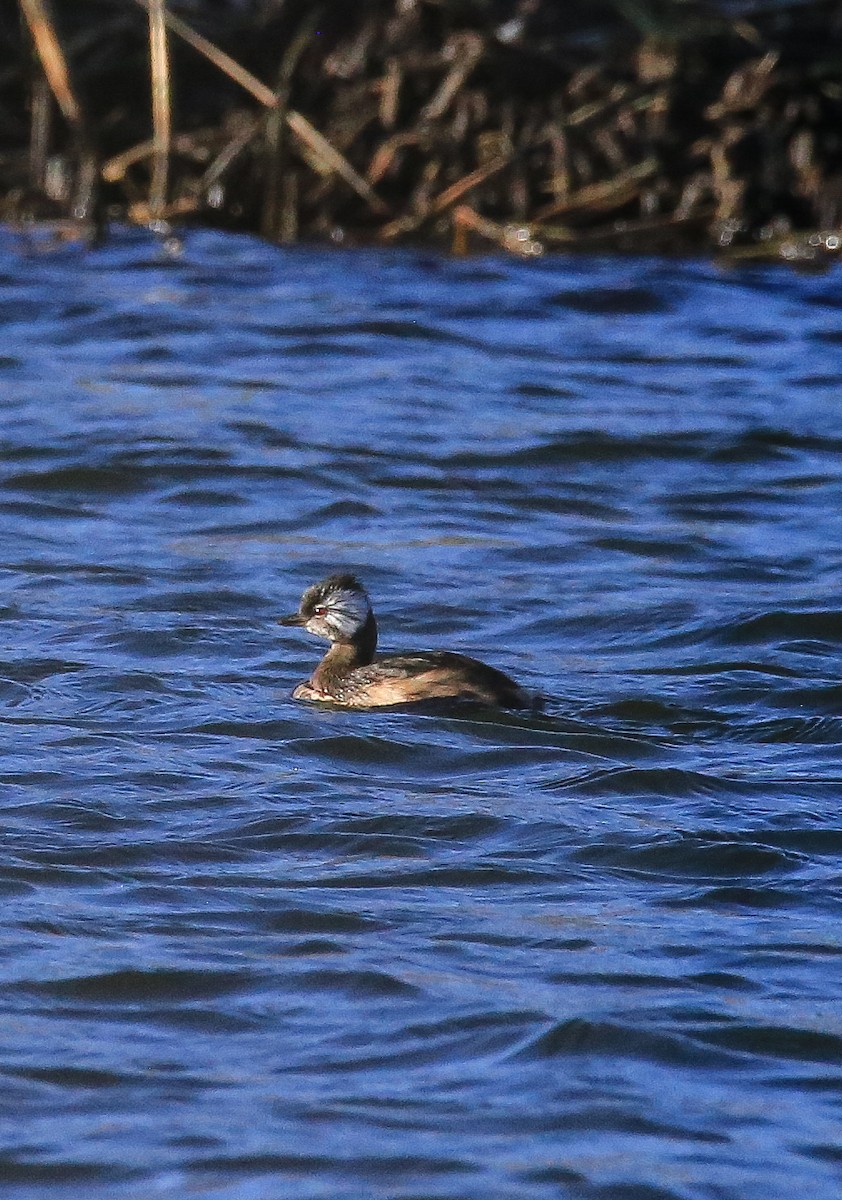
532,125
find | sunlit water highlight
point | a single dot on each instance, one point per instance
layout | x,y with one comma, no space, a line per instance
253,949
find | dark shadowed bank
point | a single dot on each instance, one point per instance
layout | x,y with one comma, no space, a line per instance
528,124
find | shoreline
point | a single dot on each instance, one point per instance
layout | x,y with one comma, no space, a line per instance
433,122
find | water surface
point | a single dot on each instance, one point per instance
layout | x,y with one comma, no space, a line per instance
255,949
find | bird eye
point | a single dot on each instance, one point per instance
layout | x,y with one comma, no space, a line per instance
319,610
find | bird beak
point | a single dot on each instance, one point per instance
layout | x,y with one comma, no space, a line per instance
293,619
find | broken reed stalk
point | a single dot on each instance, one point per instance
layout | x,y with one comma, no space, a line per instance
43,30
446,199
607,194
161,108
307,134
56,71
332,161
41,124
224,62
276,221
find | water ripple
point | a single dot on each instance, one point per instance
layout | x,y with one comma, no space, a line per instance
253,947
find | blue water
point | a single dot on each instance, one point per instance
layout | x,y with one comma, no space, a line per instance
253,949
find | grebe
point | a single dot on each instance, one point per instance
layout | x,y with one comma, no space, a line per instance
339,609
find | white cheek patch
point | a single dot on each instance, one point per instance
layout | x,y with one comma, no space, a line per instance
320,627
347,611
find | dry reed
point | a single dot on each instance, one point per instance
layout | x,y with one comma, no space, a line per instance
430,119
159,66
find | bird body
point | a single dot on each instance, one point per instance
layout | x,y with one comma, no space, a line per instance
349,675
